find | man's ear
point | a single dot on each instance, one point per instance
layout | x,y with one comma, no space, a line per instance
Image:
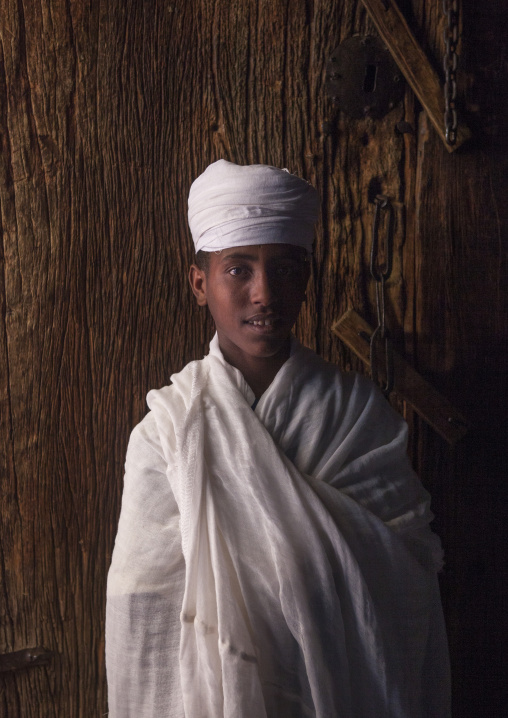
197,279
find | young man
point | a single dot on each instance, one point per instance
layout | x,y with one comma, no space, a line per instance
273,557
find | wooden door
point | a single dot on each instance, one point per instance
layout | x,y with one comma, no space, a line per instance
107,113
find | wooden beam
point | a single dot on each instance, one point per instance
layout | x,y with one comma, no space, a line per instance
414,64
408,384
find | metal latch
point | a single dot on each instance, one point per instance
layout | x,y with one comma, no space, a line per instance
25,658
416,67
362,78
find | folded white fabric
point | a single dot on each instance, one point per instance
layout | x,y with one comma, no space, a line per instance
307,586
232,206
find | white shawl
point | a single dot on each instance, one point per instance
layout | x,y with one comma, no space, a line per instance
308,586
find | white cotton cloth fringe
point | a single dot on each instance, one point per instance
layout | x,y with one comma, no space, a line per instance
237,205
310,571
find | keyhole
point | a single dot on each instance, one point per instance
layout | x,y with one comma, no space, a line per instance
369,81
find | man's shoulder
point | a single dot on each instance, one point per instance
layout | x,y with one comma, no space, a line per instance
145,441
167,406
330,395
177,391
322,375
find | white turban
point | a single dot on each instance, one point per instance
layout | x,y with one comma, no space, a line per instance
232,206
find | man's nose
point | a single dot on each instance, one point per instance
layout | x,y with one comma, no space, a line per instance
263,290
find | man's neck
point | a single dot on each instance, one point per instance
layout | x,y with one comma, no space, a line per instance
259,372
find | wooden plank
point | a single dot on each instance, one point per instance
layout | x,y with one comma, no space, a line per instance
408,384
414,64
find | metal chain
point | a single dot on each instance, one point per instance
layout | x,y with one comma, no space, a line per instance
380,274
450,37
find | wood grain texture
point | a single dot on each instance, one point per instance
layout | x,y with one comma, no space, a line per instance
108,112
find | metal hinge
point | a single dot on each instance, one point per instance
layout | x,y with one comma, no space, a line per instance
26,658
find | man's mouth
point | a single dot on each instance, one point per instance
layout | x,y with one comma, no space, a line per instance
261,322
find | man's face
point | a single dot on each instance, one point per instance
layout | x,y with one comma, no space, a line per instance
254,294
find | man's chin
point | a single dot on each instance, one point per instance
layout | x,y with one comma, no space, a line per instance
268,347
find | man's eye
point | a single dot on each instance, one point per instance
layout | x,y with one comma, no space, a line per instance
285,271
236,271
